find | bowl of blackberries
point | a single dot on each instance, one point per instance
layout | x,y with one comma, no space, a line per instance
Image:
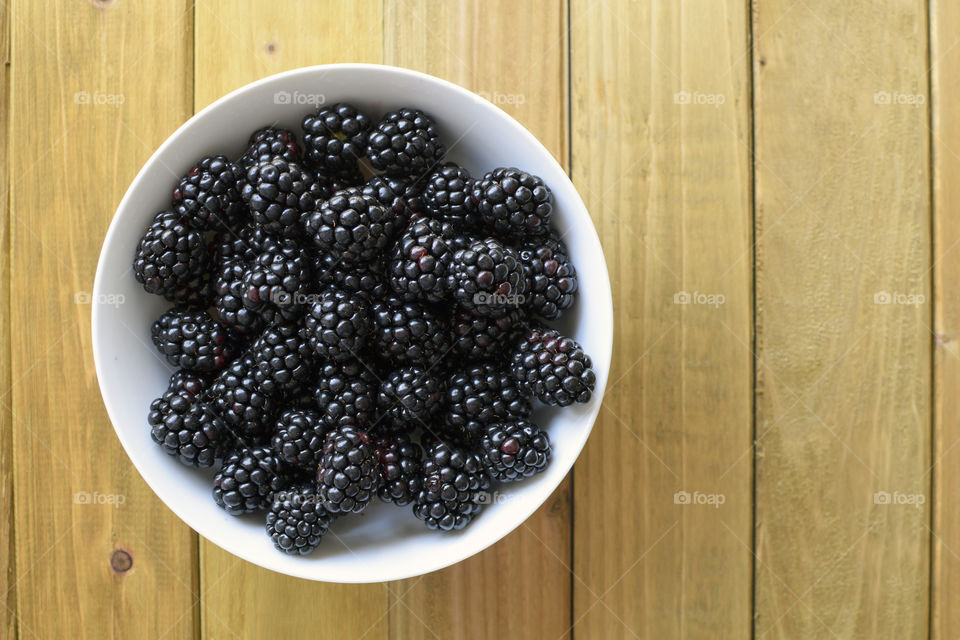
352,323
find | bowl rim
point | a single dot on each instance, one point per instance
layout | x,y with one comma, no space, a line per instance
440,561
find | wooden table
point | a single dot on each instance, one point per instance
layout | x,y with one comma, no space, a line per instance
777,458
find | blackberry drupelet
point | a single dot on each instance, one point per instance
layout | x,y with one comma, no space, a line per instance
296,521
406,141
479,396
270,142
551,367
419,262
401,461
193,340
247,411
551,277
453,490
351,226
299,438
284,360
169,256
512,202
514,450
338,324
477,337
409,331
207,196
229,292
349,472
487,278
365,277
334,137
346,394
189,384
279,193
278,281
246,478
411,396
447,197
402,196
187,429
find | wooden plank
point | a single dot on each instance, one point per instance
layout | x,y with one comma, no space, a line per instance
241,599
517,60
843,316
8,575
88,108
661,139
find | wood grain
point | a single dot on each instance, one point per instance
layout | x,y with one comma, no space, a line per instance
88,108
517,60
843,291
241,599
661,139
8,573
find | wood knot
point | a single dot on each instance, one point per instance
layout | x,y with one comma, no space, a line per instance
271,47
121,561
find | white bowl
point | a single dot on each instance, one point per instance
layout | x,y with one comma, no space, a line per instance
385,542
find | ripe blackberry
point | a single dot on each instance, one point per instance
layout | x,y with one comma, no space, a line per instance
334,136
487,278
401,196
411,396
278,281
551,277
278,193
453,488
551,367
169,256
242,245
207,195
337,325
409,331
479,396
327,184
400,464
195,293
514,450
247,411
346,394
246,479
296,521
284,360
352,226
189,384
193,340
406,141
447,197
366,278
419,263
299,438
349,472
477,337
229,292
187,429
512,202
268,143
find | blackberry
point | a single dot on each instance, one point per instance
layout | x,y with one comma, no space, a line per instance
299,437
420,261
349,472
405,141
187,429
229,293
283,359
169,256
514,450
241,245
551,367
334,136
246,410
337,325
447,197
479,396
512,202
278,281
268,143
193,340
346,394
327,184
207,195
453,489
366,278
195,293
246,479
278,193
401,196
400,465
477,337
411,396
551,277
487,278
351,226
189,384
409,331
296,521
